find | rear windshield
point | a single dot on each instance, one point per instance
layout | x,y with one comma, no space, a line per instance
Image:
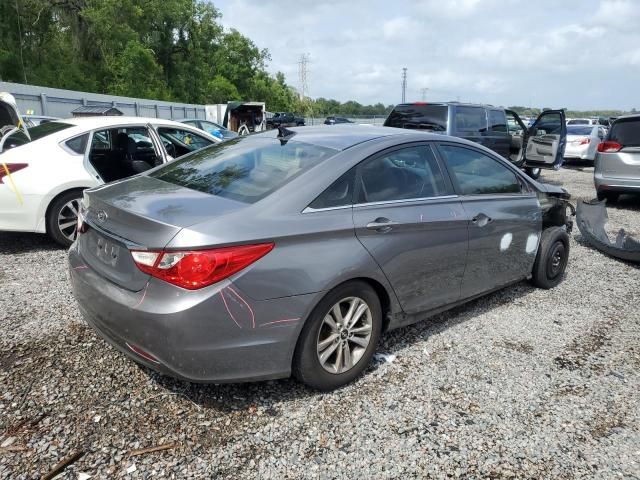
244,169
579,121
626,132
421,117
578,130
40,131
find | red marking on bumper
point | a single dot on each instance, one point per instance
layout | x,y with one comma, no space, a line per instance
142,353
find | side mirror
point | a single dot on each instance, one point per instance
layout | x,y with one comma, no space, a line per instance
533,131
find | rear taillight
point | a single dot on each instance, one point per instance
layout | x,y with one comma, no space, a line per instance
609,147
10,168
585,141
199,268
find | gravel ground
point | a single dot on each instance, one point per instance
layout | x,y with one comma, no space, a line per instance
523,383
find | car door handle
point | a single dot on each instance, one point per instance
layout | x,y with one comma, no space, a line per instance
381,225
481,220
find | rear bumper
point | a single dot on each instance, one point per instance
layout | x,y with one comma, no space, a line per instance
613,184
214,335
18,213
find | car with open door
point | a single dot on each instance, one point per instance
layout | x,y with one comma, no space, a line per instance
45,169
531,148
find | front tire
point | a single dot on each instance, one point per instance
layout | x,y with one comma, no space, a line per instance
339,338
552,258
62,218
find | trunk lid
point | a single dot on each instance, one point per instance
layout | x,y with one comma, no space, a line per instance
136,214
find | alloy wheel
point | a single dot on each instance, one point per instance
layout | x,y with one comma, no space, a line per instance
68,219
344,335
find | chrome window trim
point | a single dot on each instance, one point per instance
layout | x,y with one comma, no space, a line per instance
386,202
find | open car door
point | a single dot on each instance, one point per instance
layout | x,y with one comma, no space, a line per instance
547,138
10,120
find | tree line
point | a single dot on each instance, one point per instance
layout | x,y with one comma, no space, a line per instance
173,50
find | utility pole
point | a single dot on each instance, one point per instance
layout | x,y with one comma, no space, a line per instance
404,84
303,64
424,93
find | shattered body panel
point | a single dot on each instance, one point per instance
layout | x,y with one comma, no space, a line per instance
592,217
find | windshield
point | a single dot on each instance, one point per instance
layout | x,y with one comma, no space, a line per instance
418,116
244,169
578,130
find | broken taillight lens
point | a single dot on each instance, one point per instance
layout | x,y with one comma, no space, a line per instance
609,147
11,168
196,269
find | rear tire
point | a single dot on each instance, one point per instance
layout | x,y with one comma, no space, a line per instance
62,218
320,357
610,197
533,172
551,260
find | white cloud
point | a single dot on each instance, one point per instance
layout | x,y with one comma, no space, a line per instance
580,54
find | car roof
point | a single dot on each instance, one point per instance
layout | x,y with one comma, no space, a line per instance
444,104
341,137
115,120
627,117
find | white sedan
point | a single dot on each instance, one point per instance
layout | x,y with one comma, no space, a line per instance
42,178
583,140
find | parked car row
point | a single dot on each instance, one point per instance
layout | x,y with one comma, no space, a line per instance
46,168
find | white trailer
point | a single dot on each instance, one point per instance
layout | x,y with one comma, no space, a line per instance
240,117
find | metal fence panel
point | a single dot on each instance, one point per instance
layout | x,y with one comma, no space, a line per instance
56,102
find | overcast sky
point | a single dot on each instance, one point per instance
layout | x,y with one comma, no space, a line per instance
579,54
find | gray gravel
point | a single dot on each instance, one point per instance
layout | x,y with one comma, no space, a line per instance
523,383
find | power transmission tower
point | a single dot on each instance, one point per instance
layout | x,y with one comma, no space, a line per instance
424,93
303,69
404,84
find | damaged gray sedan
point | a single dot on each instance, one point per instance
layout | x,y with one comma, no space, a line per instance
292,251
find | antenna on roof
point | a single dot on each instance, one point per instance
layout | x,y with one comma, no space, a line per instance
284,134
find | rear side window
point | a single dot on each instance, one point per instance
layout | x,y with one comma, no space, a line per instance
408,173
477,173
339,194
471,119
78,144
419,117
626,132
245,169
497,121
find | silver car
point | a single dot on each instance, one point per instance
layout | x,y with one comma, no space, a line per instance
617,164
293,250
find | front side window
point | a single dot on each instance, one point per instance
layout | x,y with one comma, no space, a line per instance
550,124
179,142
471,119
497,121
477,173
407,173
245,169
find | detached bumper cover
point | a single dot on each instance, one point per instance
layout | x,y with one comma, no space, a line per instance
592,217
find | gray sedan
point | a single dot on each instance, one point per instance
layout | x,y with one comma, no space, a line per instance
293,250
